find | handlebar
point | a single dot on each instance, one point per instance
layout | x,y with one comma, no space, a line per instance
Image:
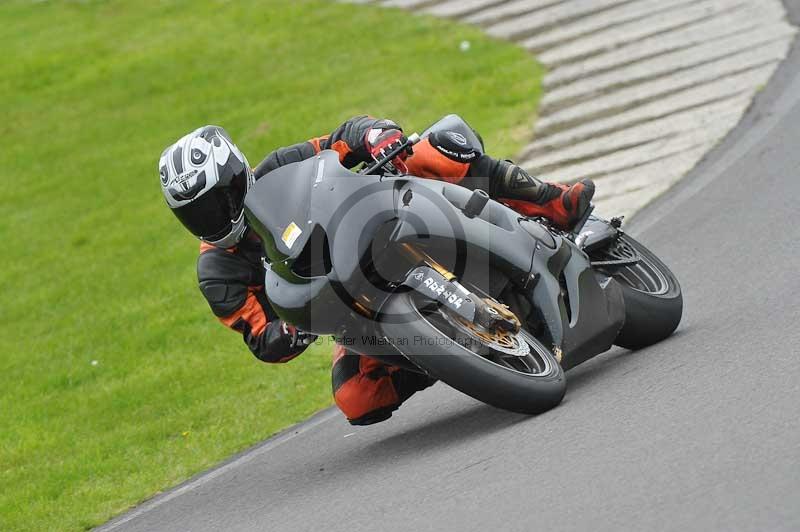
377,165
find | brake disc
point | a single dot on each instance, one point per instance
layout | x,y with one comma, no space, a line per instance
500,341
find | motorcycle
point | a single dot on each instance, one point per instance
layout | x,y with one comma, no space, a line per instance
442,280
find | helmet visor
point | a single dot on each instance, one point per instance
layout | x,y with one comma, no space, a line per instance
211,215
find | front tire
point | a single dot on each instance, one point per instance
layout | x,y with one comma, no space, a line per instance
528,386
653,298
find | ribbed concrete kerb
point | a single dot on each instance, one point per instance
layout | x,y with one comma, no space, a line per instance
637,91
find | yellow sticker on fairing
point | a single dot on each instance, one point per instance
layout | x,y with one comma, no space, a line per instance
291,234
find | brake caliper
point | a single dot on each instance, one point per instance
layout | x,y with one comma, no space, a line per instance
492,315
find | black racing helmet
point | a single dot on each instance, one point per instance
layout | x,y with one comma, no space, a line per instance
204,178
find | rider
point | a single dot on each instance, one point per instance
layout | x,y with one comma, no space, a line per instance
204,178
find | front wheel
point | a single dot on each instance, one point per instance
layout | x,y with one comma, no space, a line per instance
653,298
514,372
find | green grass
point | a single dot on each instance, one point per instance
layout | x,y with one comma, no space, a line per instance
94,266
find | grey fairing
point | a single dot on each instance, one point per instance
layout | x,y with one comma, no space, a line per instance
582,309
353,209
366,217
471,248
581,320
350,210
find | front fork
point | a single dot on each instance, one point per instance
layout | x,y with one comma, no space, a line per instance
434,281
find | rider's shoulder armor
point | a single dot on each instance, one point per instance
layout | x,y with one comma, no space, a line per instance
283,156
224,278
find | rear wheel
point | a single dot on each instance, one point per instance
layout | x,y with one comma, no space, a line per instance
515,372
653,299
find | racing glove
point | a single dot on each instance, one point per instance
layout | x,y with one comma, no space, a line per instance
381,141
282,342
299,339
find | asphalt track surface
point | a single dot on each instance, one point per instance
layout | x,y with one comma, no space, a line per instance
700,432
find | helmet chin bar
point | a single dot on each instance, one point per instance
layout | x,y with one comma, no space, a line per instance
234,236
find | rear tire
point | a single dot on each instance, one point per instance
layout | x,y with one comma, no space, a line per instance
437,348
653,298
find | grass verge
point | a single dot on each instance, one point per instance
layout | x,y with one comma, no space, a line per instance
116,381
